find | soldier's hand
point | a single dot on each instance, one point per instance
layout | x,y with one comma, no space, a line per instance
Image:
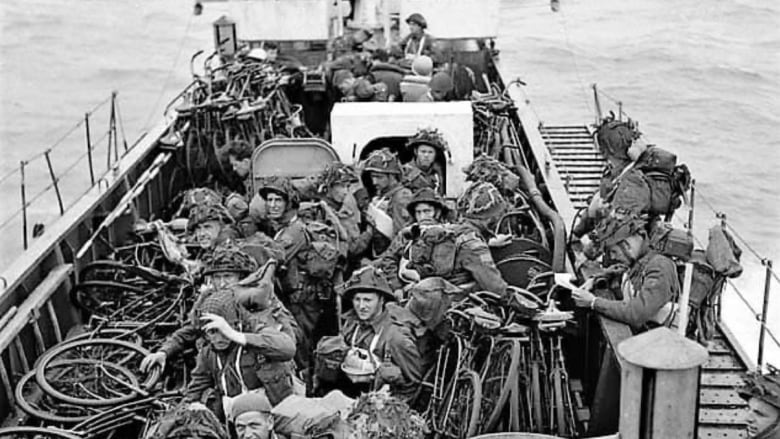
197,406
218,323
582,298
152,360
500,240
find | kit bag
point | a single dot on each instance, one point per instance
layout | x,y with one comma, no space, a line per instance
432,250
322,256
671,242
328,357
666,179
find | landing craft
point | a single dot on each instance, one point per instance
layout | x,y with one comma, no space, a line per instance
95,270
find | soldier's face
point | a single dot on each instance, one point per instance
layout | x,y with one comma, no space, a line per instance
240,167
367,305
415,28
276,205
253,425
382,182
223,279
424,212
337,192
206,233
217,340
626,251
760,416
426,155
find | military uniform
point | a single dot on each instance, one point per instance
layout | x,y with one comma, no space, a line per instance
648,291
473,261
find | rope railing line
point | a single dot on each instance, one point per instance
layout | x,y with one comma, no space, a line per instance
757,315
10,174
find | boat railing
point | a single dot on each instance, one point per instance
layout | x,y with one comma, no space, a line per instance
758,271
67,185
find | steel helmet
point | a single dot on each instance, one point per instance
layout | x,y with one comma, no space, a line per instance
382,161
428,136
359,366
482,201
764,387
208,212
199,196
229,258
428,196
219,302
335,173
368,279
281,186
418,19
614,137
422,65
486,168
616,228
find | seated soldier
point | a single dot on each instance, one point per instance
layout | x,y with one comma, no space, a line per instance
381,175
344,83
439,89
650,285
252,417
382,349
233,363
210,225
429,148
390,75
418,42
414,86
762,392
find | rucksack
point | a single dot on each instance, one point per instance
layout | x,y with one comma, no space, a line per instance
671,242
432,249
323,253
328,356
666,179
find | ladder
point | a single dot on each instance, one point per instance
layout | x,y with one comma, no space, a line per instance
578,161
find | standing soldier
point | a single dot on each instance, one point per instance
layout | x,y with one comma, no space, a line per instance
381,175
762,392
429,147
418,42
649,287
336,186
382,349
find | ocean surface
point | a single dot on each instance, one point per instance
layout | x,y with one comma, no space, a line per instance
702,79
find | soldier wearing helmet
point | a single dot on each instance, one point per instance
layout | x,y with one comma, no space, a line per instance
481,206
210,224
650,285
381,175
429,147
418,42
382,349
622,185
762,392
233,363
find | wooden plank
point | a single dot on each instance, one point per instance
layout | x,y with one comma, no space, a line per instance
720,397
35,300
722,416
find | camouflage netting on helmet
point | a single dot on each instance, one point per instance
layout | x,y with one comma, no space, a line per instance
228,258
381,161
614,137
336,173
281,186
219,302
429,136
616,228
764,387
489,170
377,415
199,196
208,212
482,201
182,423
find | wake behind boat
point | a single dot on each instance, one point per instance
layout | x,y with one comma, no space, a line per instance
303,231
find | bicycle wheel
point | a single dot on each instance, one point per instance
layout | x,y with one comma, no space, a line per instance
498,381
461,417
109,388
45,407
536,397
36,433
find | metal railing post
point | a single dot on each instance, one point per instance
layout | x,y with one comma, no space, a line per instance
764,311
54,181
24,205
89,150
597,101
692,203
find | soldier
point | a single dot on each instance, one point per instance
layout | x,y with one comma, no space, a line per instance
252,417
440,88
418,42
762,392
381,175
414,86
382,349
210,225
649,286
239,154
429,147
301,293
233,362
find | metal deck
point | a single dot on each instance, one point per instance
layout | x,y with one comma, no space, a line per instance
721,410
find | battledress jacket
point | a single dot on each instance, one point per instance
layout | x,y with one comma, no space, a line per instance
397,199
396,343
473,261
264,362
654,283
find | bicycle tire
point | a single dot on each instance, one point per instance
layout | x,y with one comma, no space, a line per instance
35,432
510,384
560,416
468,418
46,358
36,412
536,396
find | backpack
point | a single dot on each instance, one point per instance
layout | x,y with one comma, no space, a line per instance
671,242
322,255
432,249
666,179
328,356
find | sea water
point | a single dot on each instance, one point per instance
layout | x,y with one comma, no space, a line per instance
701,78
